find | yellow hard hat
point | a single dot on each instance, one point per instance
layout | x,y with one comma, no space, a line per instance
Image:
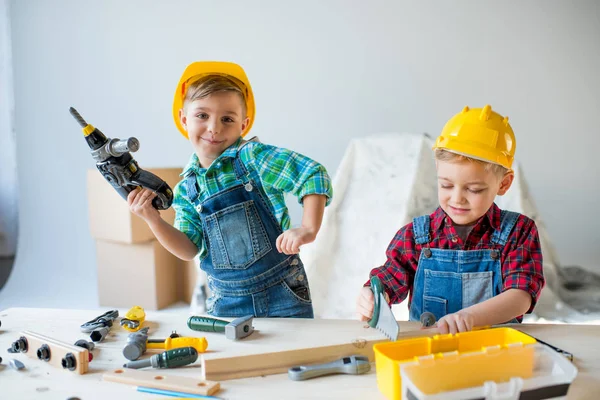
197,70
479,133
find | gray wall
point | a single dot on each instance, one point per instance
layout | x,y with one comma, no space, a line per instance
8,155
323,72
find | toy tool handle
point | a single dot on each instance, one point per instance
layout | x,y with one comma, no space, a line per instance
164,194
377,288
176,357
198,343
206,324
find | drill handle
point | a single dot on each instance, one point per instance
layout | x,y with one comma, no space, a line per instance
148,180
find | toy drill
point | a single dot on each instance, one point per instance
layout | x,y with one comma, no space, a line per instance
115,163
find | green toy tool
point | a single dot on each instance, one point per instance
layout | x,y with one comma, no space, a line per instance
237,329
168,359
383,318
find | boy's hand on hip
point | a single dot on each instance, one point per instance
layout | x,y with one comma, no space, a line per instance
461,321
140,204
365,304
289,242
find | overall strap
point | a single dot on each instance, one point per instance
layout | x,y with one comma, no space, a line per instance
508,220
421,229
241,173
191,184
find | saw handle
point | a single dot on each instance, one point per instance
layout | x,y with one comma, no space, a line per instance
377,288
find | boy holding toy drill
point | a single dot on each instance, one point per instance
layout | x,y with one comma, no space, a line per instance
230,205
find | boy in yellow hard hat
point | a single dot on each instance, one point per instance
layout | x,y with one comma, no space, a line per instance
468,263
230,206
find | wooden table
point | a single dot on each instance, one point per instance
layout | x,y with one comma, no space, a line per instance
42,381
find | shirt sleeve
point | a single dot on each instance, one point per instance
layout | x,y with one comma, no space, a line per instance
290,172
187,219
398,272
522,268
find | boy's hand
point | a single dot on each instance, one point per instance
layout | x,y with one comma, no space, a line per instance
289,242
461,321
140,203
365,304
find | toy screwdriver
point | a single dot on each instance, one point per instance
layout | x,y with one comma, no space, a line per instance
169,359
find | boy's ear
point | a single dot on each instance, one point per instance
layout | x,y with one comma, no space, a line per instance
506,182
182,119
245,123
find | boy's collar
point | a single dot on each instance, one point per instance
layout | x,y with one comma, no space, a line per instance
194,164
493,214
231,151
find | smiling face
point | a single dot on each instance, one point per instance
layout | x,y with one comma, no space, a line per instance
467,189
214,123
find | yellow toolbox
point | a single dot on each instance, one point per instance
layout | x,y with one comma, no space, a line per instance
501,343
517,372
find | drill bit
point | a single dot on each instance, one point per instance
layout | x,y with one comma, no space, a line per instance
78,117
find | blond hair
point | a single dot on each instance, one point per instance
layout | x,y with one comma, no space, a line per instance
210,84
448,156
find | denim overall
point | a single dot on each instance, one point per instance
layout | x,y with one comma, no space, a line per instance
449,280
246,273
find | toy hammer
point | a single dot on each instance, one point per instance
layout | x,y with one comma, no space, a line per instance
239,328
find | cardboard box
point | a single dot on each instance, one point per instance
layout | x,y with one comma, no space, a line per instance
145,275
110,218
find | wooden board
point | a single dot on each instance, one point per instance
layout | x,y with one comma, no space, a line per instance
279,362
160,379
58,350
279,344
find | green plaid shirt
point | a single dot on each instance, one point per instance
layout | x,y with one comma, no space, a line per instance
278,170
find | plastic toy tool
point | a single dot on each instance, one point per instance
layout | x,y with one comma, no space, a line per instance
383,319
353,365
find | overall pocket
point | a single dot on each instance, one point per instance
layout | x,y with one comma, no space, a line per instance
237,237
477,287
296,285
441,291
435,305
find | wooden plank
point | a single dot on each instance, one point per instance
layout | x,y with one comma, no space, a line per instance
279,362
58,350
296,351
161,380
279,344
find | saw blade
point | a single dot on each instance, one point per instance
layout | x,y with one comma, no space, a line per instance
386,322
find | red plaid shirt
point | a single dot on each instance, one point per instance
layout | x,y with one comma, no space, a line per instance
521,256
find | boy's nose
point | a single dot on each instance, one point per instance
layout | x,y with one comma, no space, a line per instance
214,127
457,197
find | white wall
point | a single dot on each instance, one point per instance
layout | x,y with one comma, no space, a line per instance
8,156
323,72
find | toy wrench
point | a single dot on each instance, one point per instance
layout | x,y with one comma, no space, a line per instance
354,365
